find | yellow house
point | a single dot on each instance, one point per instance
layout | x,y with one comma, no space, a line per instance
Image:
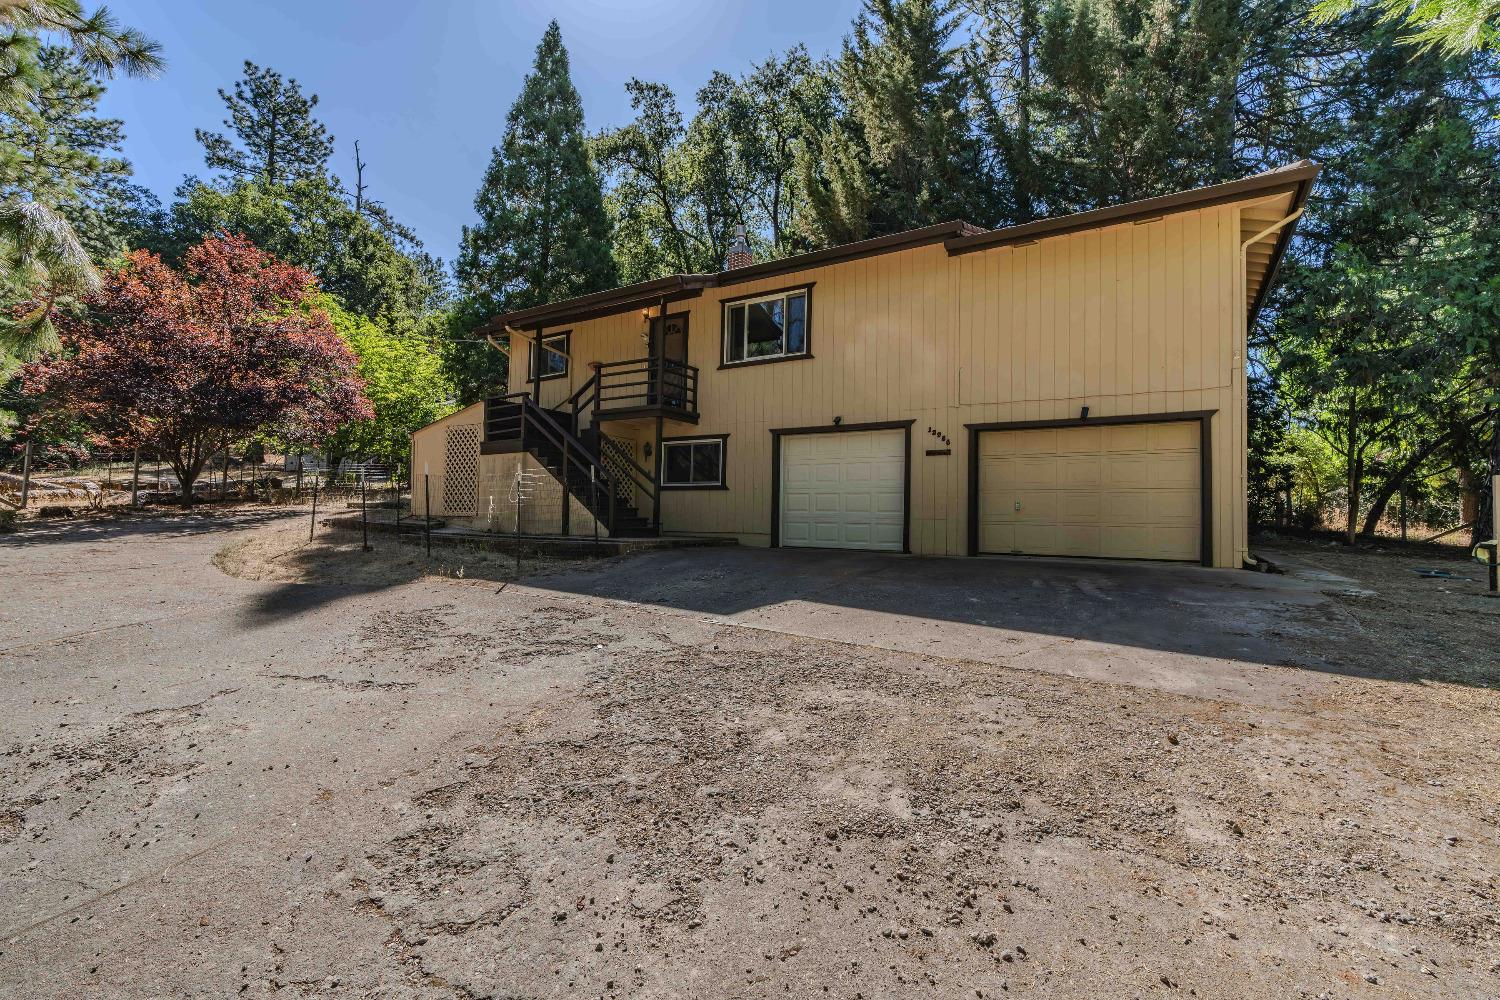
1073,386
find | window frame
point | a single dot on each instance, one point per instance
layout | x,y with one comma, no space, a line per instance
537,351
722,440
806,290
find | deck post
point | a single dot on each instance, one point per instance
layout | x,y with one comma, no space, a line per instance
536,368
656,481
565,494
598,389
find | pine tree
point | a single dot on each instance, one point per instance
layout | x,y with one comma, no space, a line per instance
543,233
275,135
903,153
1136,97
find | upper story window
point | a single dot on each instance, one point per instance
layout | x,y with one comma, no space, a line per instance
770,327
552,363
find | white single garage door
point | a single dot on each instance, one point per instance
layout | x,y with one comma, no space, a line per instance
843,490
1122,491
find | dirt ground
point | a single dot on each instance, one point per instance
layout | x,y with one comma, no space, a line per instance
237,764
284,553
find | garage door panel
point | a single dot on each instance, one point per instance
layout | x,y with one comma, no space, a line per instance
1073,507
1126,437
1179,436
1079,470
1078,539
853,494
997,537
1119,491
1181,470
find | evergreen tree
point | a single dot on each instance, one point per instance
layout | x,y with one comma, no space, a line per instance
1386,340
543,233
43,262
59,151
1137,98
903,152
309,223
275,135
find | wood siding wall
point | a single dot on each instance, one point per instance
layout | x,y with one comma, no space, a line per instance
1129,319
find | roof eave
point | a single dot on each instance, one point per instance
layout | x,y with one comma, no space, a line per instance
1295,177
607,302
1283,241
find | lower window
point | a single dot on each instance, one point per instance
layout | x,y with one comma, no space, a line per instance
693,463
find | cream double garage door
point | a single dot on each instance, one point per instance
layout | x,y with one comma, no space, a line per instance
1122,491
844,490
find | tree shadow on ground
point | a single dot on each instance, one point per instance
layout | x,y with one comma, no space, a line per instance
109,525
985,608
334,564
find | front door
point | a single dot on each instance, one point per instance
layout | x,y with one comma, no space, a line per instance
669,352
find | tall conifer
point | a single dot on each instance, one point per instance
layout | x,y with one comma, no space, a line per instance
903,152
543,233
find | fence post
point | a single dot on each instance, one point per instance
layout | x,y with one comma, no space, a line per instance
135,478
26,475
427,509
1495,532
314,522
364,510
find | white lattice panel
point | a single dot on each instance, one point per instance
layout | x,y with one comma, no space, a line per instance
461,477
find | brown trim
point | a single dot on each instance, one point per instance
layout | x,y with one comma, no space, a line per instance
807,324
885,425
957,237
653,349
767,293
910,239
764,361
723,440
1205,460
1287,179
537,348
634,412
604,303
684,286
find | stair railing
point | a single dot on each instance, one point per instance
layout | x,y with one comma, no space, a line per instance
540,424
615,455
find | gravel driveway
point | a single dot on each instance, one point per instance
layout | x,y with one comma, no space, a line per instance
721,773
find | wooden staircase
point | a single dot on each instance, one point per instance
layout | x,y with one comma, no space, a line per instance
606,488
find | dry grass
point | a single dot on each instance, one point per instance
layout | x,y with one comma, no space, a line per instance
282,553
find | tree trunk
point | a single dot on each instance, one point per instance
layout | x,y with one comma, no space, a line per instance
1484,519
1394,483
1352,463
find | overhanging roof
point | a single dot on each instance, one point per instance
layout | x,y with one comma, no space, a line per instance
957,237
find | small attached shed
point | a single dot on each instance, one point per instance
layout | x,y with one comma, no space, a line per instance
473,490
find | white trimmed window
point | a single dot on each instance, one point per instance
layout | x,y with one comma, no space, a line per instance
693,463
767,327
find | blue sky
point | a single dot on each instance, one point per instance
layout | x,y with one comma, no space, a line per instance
426,87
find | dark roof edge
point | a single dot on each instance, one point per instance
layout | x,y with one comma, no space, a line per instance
1283,240
610,300
957,236
1298,175
677,286
906,240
